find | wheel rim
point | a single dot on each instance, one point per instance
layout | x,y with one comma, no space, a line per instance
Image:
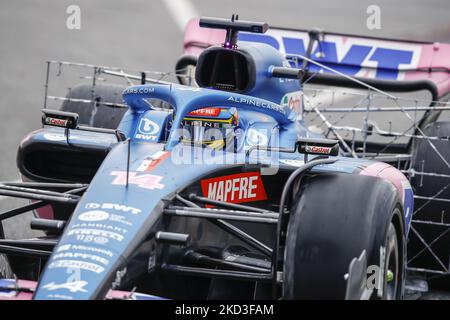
392,265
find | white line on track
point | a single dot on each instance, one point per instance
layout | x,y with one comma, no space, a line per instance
181,11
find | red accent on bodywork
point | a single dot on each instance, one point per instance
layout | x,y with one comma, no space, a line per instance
205,112
235,188
46,212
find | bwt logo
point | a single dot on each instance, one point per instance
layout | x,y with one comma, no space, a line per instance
147,126
347,55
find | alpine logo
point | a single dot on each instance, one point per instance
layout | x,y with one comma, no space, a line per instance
257,103
75,286
235,188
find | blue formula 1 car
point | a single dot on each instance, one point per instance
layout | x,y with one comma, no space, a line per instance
213,191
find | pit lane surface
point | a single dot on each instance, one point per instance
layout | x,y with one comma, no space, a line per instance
147,35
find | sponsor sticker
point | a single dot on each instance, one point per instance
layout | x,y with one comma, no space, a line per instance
88,266
146,181
317,149
355,56
77,247
147,130
235,188
205,112
293,101
139,90
113,206
95,233
120,219
56,122
149,163
92,239
107,227
83,256
93,215
257,103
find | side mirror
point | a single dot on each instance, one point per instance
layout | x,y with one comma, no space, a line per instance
56,118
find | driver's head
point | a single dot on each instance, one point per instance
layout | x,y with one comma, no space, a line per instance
212,127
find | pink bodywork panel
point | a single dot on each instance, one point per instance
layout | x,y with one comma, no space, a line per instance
430,55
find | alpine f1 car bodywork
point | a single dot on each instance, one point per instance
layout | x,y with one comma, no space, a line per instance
212,191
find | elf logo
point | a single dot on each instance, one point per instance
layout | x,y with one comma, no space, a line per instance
235,188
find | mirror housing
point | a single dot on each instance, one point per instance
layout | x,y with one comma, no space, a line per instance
317,146
63,119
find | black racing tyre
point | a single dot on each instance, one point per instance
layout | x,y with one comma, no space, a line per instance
96,114
5,268
335,218
426,159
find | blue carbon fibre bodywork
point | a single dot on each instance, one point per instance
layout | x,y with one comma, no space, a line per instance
120,208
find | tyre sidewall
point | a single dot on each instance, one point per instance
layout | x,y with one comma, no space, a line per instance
339,216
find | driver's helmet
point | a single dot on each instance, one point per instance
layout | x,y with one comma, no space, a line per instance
212,127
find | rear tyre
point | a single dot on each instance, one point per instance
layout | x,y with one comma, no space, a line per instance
336,217
5,267
96,114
